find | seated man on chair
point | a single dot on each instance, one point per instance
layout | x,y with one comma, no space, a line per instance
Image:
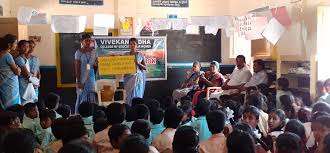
259,76
236,80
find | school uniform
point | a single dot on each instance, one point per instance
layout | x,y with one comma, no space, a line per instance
57,115
163,142
156,129
189,123
152,149
202,128
309,135
216,144
32,124
270,139
263,123
101,141
46,137
114,151
88,122
53,147
128,123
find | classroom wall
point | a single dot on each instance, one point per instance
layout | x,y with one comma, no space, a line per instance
143,9
46,48
6,7
121,8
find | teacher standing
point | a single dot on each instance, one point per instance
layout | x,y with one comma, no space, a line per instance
85,59
9,72
135,83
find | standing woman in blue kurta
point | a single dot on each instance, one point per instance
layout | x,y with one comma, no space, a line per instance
9,90
34,64
85,61
23,63
135,83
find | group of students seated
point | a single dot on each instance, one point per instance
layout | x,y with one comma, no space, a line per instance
258,122
149,126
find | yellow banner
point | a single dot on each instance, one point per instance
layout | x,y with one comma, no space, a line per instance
109,65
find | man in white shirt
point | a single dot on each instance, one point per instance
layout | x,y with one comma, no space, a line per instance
260,75
238,78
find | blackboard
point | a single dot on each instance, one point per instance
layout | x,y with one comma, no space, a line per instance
66,46
182,47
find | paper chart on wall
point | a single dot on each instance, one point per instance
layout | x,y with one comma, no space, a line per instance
212,21
104,20
179,24
39,19
24,14
243,24
257,27
192,29
60,23
282,16
211,30
161,24
273,31
100,31
262,12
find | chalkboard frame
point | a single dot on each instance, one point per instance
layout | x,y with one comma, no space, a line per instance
60,84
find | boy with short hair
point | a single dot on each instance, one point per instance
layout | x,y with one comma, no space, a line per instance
143,127
86,110
217,142
30,119
200,125
58,129
52,101
251,117
156,118
115,113
172,119
135,143
64,110
117,136
46,118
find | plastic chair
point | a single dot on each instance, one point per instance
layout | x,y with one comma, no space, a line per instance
215,91
113,85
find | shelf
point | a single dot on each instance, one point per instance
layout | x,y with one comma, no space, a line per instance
302,89
296,75
294,62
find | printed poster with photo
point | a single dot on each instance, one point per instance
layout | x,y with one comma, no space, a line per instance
126,26
153,48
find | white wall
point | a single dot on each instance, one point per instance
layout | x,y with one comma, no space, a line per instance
142,8
6,7
121,8
46,49
52,7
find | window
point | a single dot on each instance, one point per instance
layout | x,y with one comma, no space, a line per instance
323,33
